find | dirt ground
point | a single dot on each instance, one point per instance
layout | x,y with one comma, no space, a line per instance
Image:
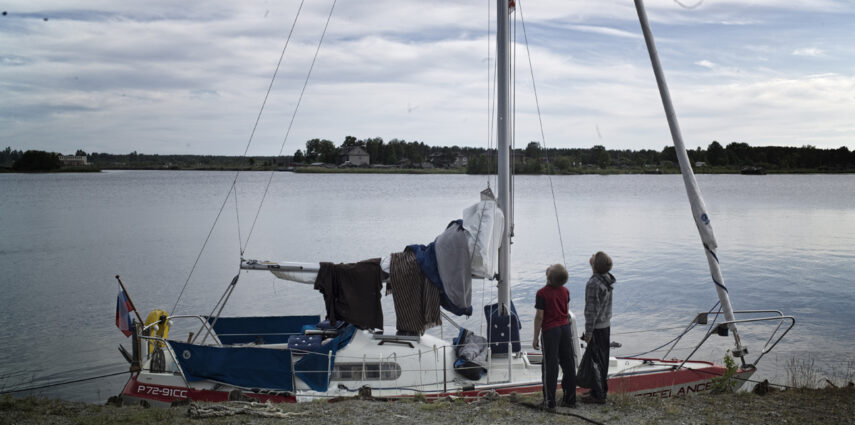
824,406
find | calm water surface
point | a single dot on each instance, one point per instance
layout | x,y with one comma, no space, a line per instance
786,242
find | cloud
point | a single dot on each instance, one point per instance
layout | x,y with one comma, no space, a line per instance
605,31
158,77
809,51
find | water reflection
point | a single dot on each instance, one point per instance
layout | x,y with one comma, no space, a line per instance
785,242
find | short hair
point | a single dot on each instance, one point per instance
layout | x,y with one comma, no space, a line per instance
556,275
602,262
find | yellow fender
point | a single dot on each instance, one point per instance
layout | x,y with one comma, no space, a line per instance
162,330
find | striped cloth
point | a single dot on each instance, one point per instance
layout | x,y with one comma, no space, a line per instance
416,299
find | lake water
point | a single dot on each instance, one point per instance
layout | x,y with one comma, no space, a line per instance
785,242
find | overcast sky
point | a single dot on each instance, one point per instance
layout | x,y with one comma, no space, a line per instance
170,77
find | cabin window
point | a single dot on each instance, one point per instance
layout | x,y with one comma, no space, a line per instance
368,371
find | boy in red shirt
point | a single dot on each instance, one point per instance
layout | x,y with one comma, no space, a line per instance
553,319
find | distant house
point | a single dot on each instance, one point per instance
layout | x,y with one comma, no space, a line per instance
448,160
73,160
460,161
354,155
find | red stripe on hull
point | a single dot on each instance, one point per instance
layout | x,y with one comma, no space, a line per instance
660,384
169,394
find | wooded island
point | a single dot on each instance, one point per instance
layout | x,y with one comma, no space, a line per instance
396,156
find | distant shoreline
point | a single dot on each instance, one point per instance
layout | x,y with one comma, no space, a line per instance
591,171
59,171
371,170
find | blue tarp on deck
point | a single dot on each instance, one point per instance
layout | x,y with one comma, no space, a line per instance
313,368
247,367
260,330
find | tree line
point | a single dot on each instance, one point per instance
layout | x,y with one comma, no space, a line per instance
715,158
532,159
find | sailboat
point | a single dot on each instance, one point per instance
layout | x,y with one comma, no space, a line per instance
298,358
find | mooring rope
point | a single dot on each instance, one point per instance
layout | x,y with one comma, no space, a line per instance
232,408
56,384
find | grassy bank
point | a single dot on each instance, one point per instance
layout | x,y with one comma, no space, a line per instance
823,406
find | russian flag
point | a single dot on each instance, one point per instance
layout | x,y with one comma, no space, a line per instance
123,313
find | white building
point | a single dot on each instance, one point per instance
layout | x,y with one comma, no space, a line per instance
73,160
355,155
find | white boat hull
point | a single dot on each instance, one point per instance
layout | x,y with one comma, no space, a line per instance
405,369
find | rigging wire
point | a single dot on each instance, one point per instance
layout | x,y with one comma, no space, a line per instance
237,216
492,95
670,328
665,344
56,384
489,93
291,123
237,173
513,134
542,136
264,103
678,337
204,244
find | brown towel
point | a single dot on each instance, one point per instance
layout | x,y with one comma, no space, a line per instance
352,292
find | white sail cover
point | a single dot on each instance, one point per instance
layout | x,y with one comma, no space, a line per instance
483,223
308,272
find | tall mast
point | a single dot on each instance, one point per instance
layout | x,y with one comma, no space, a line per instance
503,119
699,210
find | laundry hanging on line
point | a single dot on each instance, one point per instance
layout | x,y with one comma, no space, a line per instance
352,292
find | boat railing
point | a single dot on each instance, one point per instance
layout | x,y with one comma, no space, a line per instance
158,341
203,319
722,329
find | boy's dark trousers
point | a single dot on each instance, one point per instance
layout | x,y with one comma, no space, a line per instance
600,341
558,351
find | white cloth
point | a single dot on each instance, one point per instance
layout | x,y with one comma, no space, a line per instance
453,265
483,222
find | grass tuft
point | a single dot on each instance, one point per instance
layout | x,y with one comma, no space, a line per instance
802,373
